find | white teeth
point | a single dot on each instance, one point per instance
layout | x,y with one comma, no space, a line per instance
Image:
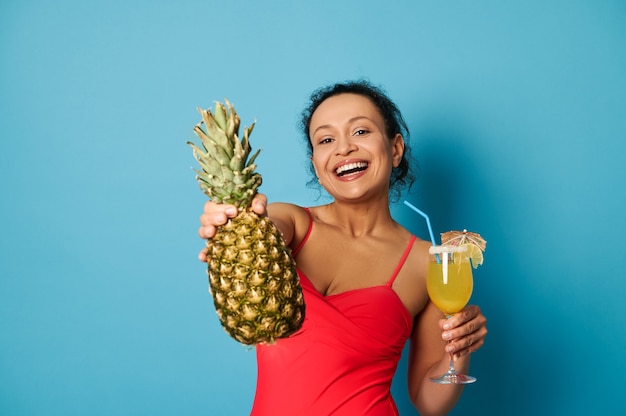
350,166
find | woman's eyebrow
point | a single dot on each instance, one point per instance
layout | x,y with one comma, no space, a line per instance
328,126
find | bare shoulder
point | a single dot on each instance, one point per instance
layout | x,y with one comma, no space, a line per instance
420,249
291,219
411,283
418,259
284,211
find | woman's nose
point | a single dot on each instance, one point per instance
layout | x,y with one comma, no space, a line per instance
345,146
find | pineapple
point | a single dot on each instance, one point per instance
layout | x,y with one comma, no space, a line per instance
252,276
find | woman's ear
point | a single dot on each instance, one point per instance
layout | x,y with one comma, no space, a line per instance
397,149
315,169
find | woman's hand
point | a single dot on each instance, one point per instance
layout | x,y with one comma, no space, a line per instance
465,330
215,215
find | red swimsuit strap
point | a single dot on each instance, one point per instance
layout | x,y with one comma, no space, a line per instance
407,250
308,233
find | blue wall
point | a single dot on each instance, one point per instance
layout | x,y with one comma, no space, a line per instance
518,119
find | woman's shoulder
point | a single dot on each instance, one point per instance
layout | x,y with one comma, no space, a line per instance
421,246
292,220
419,256
286,209
296,212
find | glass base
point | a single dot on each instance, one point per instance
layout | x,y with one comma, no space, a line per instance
453,377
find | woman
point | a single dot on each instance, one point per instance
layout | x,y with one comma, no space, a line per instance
363,275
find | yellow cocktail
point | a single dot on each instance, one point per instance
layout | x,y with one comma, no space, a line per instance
449,280
449,284
452,296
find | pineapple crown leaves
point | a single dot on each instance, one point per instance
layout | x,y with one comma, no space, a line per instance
227,171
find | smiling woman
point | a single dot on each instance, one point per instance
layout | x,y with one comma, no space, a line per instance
368,296
349,141
393,125
516,113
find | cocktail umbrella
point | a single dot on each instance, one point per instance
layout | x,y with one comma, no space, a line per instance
456,238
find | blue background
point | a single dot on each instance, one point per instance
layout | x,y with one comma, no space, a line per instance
518,117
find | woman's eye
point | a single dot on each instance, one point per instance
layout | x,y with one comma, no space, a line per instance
325,140
360,132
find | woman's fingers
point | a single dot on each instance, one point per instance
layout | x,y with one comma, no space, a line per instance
467,344
215,215
259,204
206,232
466,331
204,255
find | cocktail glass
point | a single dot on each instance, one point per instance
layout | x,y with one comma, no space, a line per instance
449,284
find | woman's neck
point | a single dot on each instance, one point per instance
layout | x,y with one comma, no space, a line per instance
357,219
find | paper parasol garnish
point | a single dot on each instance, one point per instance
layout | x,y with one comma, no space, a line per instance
456,238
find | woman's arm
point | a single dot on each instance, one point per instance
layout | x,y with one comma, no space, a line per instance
429,355
292,221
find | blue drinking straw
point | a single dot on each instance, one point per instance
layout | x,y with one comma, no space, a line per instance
430,229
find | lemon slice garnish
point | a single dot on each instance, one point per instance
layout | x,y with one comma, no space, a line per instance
474,253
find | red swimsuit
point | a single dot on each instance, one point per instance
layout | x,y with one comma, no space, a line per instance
342,360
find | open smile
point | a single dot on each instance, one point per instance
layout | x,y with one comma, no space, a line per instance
351,168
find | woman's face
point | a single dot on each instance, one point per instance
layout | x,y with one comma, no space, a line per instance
352,155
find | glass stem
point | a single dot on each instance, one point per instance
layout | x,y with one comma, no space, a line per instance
451,369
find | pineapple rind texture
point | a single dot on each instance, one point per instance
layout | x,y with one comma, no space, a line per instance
252,275
255,287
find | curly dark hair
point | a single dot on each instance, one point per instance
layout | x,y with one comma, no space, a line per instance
402,175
